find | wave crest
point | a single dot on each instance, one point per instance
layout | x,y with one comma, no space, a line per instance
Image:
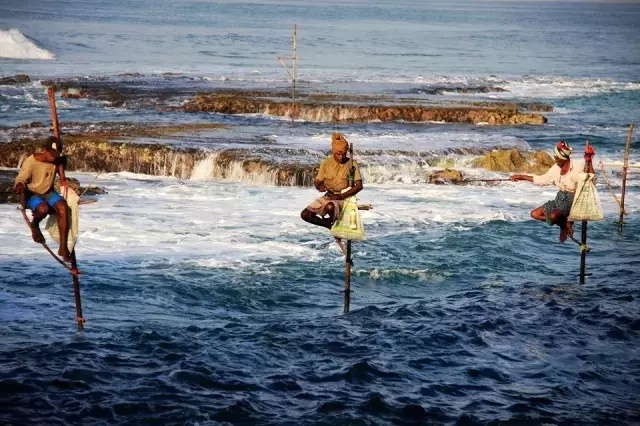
15,45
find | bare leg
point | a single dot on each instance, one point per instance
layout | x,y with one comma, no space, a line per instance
311,217
556,217
62,210
41,211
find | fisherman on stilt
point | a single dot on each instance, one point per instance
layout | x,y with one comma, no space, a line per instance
565,175
34,184
333,180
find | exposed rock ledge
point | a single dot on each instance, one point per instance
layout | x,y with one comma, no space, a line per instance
310,106
490,114
512,160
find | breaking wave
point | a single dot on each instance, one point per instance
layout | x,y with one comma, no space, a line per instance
15,45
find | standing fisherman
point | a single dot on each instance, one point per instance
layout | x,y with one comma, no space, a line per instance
34,184
565,175
333,180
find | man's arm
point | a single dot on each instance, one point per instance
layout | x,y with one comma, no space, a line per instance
357,187
516,178
23,178
318,182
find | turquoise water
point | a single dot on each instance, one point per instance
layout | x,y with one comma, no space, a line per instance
209,301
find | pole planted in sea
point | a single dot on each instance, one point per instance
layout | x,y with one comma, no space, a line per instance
625,166
74,264
583,240
347,278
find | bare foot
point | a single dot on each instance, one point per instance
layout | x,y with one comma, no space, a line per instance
570,229
63,252
37,235
563,234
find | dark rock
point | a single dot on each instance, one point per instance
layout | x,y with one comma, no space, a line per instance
440,177
512,160
16,79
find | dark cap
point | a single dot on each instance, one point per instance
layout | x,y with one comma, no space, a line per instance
53,145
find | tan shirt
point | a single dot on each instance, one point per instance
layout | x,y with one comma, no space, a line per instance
336,175
567,182
37,175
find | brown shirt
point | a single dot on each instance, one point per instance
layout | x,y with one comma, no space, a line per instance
336,175
37,175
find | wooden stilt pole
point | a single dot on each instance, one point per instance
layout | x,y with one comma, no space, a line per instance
74,264
54,115
583,252
588,168
347,278
292,73
76,292
293,79
625,166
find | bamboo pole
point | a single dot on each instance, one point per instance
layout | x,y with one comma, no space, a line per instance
583,252
292,73
295,66
54,116
74,264
348,261
347,278
583,239
625,166
76,291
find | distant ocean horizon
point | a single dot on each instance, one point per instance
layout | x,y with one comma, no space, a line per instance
209,301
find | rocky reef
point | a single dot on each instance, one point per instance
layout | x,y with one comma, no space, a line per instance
310,105
309,109
513,160
15,79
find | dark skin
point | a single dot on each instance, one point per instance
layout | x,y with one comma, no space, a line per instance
328,215
555,216
43,209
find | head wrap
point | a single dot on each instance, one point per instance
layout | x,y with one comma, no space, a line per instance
562,150
339,143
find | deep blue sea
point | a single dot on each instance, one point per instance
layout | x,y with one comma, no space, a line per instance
209,301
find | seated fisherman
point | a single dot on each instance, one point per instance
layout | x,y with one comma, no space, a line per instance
34,184
333,179
564,174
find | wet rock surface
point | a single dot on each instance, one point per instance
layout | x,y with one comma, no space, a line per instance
424,106
513,160
15,79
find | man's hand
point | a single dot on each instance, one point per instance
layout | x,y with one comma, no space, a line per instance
19,188
336,197
320,186
514,178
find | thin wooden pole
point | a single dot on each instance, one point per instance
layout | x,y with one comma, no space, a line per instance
295,60
347,278
625,166
54,115
292,74
74,263
76,291
583,240
583,252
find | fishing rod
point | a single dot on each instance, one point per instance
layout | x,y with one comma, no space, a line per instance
483,180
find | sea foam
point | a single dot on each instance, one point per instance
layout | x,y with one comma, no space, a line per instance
14,44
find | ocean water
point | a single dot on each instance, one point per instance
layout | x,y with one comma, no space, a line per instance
209,301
